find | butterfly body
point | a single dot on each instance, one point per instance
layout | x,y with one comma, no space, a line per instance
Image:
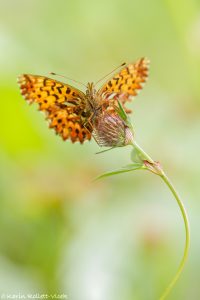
92,101
71,112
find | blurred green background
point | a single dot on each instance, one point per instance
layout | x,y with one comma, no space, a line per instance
122,237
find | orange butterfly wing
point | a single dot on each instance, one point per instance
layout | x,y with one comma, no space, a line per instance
126,84
64,105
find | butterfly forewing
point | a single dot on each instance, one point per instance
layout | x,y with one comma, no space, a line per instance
126,84
65,106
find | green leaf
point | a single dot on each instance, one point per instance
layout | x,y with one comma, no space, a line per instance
125,169
121,111
105,150
124,115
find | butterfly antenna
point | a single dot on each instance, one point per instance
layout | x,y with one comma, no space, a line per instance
55,74
110,72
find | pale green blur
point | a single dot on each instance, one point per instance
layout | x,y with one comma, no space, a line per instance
121,238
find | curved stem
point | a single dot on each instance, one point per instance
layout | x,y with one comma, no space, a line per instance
158,170
187,236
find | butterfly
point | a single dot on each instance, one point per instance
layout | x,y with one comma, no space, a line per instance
71,112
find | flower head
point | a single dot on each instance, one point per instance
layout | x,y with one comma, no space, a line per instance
110,130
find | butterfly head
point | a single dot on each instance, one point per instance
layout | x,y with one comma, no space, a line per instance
90,92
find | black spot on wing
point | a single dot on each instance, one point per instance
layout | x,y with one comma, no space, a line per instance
59,90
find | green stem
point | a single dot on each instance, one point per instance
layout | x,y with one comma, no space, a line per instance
164,177
143,154
187,236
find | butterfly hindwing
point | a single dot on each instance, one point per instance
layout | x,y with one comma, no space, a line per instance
68,124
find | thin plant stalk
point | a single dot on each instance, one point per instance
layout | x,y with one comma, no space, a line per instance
187,236
156,168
